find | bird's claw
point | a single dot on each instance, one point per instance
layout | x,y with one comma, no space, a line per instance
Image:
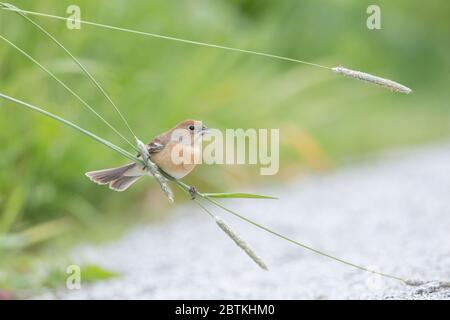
193,192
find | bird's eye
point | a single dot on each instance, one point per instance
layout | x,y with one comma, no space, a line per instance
191,128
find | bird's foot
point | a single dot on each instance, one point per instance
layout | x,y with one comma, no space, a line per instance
193,192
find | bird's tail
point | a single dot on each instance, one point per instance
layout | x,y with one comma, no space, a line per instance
117,178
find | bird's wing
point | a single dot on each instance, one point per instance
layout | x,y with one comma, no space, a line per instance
155,146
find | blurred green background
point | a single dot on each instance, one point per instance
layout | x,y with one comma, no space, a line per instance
46,203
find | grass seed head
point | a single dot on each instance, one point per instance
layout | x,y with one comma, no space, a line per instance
392,85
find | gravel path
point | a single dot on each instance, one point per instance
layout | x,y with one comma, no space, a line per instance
391,214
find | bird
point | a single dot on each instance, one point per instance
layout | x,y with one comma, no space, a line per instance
174,151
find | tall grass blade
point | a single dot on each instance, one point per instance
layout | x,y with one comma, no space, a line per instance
392,85
11,7
186,189
235,237
85,104
164,186
142,33
233,195
301,244
73,126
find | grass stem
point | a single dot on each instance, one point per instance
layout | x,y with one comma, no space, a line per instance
154,35
7,6
85,104
392,85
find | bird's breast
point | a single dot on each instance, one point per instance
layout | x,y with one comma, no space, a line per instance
177,160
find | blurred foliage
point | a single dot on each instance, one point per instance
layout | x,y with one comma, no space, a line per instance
89,273
32,273
324,119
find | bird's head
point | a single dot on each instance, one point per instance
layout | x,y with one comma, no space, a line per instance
194,129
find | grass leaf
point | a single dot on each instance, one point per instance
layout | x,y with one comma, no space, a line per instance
89,273
73,126
94,272
80,65
237,195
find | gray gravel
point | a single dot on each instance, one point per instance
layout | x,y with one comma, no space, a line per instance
391,214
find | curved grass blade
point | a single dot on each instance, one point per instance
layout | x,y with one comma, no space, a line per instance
73,126
348,72
166,189
22,13
354,265
185,188
65,86
9,7
236,195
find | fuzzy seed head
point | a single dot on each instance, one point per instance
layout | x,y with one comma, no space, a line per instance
241,243
391,85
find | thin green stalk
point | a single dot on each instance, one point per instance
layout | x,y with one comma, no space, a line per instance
298,243
154,35
217,204
107,143
7,6
235,237
74,126
85,104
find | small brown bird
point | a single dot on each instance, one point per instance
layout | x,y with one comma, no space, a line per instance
174,151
